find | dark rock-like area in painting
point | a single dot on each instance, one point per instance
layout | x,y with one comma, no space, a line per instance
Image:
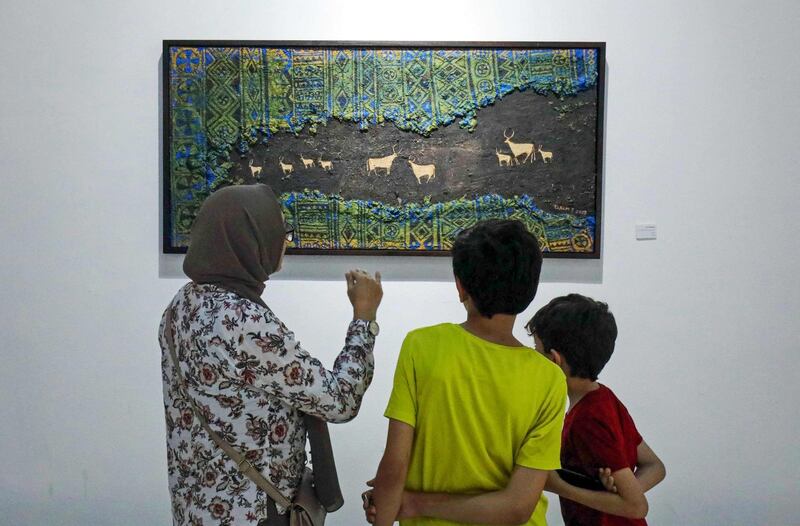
466,164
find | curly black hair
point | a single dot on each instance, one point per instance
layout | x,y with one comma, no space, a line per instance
498,263
581,329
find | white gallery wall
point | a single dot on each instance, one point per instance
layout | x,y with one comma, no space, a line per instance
702,129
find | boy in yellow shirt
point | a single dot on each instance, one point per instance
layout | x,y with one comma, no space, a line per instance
475,416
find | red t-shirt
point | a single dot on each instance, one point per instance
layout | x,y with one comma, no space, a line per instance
598,433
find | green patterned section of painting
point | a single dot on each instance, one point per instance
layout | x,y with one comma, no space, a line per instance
225,98
188,144
331,222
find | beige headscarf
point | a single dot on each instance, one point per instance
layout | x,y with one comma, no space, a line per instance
237,240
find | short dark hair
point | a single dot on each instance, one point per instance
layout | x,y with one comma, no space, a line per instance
581,329
498,263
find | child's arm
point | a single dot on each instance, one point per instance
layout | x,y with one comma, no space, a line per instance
513,504
649,468
629,500
392,471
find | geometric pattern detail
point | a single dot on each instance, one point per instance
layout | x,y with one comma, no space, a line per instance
223,98
187,149
329,222
223,105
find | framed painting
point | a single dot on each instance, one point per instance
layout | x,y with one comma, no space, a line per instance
389,147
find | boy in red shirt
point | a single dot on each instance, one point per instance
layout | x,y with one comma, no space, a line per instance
599,437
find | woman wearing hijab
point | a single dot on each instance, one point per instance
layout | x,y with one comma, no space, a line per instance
245,369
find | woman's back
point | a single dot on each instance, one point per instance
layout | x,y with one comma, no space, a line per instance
252,379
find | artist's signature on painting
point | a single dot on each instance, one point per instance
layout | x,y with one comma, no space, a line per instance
570,210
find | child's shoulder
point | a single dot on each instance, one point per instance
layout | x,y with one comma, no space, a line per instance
608,396
540,364
604,392
431,332
601,400
432,329
603,408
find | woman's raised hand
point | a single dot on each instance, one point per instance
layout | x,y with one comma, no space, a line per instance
365,293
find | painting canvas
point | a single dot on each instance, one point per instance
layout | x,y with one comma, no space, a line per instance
377,148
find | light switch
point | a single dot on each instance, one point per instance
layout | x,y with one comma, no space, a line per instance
645,231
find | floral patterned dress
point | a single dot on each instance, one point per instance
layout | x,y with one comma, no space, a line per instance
252,379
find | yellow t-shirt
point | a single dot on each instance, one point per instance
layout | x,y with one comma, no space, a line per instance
478,409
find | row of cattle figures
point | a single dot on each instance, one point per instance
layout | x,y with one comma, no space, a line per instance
421,171
519,149
288,168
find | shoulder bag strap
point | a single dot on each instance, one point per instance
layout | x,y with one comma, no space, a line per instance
245,467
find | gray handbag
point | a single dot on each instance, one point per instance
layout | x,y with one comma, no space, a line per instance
306,510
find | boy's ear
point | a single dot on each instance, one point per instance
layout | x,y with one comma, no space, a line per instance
556,357
462,293
560,361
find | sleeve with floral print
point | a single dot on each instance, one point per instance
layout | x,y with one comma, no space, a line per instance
268,357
